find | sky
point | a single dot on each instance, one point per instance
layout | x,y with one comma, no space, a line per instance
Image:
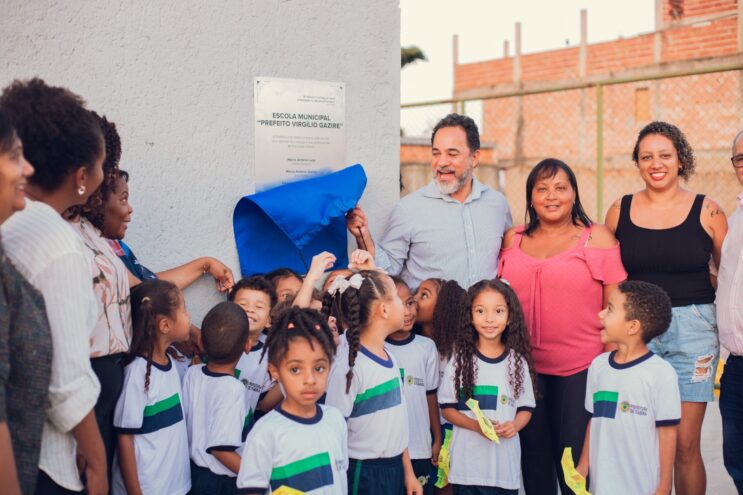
482,25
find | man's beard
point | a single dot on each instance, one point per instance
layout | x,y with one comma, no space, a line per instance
456,185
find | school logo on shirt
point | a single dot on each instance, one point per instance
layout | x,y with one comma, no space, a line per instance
626,407
507,401
254,387
605,404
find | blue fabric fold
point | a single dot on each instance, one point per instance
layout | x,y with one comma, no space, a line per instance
284,227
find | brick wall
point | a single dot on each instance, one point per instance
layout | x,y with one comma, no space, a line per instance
697,8
716,37
708,108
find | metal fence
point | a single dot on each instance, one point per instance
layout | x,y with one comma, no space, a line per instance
592,126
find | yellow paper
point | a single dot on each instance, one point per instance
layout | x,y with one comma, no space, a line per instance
573,478
485,424
285,490
442,475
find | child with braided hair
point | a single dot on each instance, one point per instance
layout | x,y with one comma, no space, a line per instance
152,456
492,365
367,388
300,444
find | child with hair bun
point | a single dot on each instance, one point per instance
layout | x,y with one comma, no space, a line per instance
299,445
367,388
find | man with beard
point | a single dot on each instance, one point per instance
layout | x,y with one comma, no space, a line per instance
452,228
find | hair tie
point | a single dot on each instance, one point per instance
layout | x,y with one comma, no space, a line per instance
505,282
340,284
317,326
290,326
146,299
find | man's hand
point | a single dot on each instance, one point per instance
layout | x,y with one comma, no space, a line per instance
358,226
355,221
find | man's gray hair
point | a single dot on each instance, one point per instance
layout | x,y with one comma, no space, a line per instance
735,141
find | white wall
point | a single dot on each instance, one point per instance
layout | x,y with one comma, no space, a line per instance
176,76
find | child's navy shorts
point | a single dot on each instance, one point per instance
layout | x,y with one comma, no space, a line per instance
426,474
204,482
383,476
482,490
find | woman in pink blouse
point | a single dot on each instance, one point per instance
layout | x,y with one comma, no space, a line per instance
562,266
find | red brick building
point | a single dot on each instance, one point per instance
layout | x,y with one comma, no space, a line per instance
547,104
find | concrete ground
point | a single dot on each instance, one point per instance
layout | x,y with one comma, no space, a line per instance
718,480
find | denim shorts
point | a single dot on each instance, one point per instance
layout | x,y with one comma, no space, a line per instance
691,346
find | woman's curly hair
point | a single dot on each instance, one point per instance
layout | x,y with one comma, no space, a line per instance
447,316
515,338
93,209
682,146
59,134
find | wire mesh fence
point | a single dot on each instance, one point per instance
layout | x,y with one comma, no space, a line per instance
593,129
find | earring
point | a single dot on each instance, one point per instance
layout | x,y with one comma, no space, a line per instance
81,190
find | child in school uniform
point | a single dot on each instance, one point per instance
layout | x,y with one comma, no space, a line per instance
439,304
368,388
491,364
419,369
214,403
299,445
152,455
256,296
633,396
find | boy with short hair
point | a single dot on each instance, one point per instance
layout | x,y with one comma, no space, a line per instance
256,296
214,402
633,397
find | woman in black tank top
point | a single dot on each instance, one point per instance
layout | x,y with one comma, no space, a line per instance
667,236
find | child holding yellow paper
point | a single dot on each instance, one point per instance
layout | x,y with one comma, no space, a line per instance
633,396
299,447
492,365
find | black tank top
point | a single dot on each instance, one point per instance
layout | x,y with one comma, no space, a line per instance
676,259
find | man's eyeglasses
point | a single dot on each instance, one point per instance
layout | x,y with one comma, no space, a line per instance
737,161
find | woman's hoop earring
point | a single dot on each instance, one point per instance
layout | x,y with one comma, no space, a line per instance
81,190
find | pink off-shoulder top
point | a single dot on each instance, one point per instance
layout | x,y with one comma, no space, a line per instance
561,297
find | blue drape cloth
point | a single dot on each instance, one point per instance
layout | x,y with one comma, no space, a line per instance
284,227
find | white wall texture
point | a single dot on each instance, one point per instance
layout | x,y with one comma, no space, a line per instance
176,76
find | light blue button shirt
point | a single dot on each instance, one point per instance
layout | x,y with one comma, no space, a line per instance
429,235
